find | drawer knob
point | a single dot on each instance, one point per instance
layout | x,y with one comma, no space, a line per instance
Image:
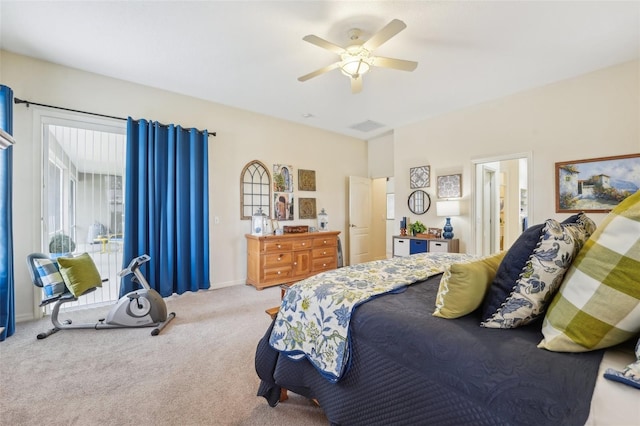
324,252
324,264
279,272
304,244
324,242
279,246
295,263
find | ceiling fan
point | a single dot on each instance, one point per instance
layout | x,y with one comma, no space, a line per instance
357,58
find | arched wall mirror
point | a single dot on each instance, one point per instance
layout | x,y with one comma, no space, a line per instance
419,202
255,189
501,209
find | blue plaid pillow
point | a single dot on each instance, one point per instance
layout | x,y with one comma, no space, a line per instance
52,282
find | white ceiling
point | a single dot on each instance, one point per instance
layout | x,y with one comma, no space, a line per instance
249,54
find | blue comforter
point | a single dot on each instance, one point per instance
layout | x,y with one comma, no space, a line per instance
313,321
409,367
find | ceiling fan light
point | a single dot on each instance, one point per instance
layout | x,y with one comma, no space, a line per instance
354,67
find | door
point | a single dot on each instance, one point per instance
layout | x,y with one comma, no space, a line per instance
488,211
499,179
359,219
83,169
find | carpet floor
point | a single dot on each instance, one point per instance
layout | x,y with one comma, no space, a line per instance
198,371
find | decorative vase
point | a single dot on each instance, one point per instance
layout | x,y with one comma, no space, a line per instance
447,233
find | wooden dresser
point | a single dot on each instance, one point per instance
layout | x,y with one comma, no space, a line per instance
281,259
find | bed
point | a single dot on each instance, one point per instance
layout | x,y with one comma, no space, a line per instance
407,366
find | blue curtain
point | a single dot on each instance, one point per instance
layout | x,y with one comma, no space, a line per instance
166,206
7,302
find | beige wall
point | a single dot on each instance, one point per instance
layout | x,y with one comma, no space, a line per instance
242,137
594,115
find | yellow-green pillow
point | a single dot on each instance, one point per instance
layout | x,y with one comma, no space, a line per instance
598,304
464,284
79,273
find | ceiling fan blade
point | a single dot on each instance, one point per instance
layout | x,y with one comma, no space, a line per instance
356,85
320,42
396,64
320,71
392,28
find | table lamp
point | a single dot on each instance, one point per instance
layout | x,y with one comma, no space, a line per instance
447,209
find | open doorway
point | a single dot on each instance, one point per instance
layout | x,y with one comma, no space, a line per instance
82,198
501,210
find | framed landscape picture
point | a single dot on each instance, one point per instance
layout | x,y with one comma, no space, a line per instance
596,185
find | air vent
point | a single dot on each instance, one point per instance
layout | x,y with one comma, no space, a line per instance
367,126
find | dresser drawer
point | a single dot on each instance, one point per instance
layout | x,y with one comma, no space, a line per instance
323,252
325,242
277,274
301,244
277,259
323,264
278,245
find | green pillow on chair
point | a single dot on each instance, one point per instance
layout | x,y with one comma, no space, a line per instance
80,273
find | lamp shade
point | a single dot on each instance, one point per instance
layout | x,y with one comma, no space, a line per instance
448,208
354,67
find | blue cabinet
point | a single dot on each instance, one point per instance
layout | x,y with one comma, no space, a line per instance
406,245
417,246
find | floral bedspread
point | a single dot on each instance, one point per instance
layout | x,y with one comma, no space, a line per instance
313,320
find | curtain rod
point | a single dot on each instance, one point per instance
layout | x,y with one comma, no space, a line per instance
28,103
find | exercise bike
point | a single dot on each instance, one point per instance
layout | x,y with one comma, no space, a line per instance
138,308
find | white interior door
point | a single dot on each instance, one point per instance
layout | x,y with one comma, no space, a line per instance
359,219
488,223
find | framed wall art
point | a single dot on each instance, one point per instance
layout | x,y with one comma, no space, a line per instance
282,178
596,185
307,208
306,180
283,206
450,186
420,177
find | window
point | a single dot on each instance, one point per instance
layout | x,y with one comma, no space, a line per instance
255,188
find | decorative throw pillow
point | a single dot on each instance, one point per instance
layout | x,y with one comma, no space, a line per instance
80,273
582,220
510,269
541,276
52,281
598,304
464,284
630,375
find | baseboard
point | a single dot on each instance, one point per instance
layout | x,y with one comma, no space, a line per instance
227,284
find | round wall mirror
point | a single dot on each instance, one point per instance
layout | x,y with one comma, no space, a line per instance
419,202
